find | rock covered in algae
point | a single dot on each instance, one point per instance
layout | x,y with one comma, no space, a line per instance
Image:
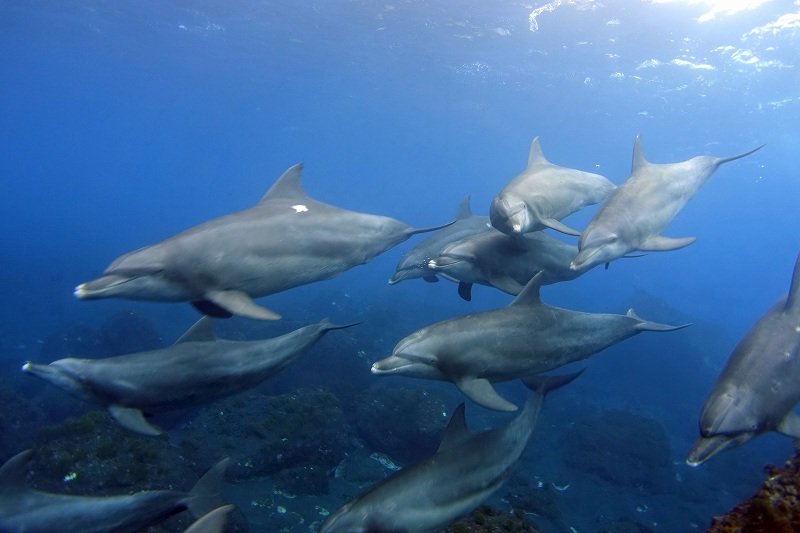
774,508
488,519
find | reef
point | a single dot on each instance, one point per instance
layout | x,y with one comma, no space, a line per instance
622,448
539,501
490,520
304,431
405,423
774,508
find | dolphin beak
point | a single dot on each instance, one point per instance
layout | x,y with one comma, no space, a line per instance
98,287
706,447
582,259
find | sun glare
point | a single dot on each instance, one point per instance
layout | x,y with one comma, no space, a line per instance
719,7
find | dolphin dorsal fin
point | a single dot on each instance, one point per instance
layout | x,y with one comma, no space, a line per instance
456,431
530,294
639,160
464,210
202,331
287,187
536,156
793,300
14,474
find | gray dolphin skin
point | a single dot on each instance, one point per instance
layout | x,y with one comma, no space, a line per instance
415,263
497,260
464,471
543,194
757,389
635,214
24,510
211,522
284,241
197,369
525,338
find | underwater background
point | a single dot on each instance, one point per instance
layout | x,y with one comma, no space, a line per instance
122,123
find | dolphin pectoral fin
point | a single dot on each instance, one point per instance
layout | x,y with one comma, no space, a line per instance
558,226
431,279
480,391
211,309
465,290
790,425
132,419
506,284
239,303
659,243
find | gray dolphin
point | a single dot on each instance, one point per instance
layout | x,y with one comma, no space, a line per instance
415,263
525,338
635,214
198,368
24,510
543,194
497,260
211,522
284,241
758,388
464,471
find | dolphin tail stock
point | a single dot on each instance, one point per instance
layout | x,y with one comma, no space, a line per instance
542,385
723,160
205,496
645,325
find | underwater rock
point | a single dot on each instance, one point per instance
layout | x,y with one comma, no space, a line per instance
488,519
361,469
128,332
19,422
304,480
405,423
624,525
775,507
540,501
266,434
621,448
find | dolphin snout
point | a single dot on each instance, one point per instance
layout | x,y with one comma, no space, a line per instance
98,287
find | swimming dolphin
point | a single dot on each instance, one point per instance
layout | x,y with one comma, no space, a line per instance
198,368
497,260
543,194
415,263
757,390
525,338
464,471
211,522
284,241
635,214
24,510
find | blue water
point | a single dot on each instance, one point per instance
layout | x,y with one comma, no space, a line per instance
122,123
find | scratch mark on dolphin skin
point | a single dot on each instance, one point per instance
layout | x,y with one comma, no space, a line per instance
299,208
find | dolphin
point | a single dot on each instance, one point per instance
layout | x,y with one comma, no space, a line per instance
415,263
543,194
284,241
525,338
635,214
506,263
197,369
211,522
758,388
24,510
464,471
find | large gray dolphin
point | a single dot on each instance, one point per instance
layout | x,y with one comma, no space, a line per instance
525,338
24,510
284,241
543,194
635,214
760,384
463,472
415,263
198,368
497,260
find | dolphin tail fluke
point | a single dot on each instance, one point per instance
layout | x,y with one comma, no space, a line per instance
205,496
544,384
212,522
644,325
723,160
